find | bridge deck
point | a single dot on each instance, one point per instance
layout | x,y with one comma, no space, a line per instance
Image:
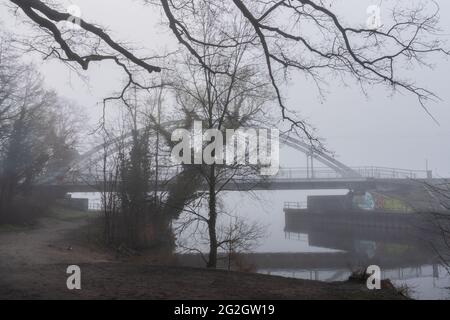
275,184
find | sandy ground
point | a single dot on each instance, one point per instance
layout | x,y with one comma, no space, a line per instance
46,243
33,265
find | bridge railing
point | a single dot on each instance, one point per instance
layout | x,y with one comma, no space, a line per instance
296,205
307,173
284,174
95,206
391,173
357,172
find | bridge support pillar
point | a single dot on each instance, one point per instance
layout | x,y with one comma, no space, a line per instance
310,165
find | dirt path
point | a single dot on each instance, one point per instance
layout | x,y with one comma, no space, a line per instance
33,265
46,244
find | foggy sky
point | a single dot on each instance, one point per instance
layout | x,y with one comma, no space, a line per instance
379,130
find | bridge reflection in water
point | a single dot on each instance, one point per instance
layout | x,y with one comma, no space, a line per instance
400,243
335,274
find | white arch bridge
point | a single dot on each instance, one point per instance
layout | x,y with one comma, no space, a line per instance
322,172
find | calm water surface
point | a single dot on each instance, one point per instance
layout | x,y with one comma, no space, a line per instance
266,208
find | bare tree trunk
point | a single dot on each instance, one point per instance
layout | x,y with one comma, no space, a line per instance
212,221
158,119
5,201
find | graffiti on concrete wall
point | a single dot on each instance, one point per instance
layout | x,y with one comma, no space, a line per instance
372,201
364,202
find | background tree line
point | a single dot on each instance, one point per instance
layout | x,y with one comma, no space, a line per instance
38,135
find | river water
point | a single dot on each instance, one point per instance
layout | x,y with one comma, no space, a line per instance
424,280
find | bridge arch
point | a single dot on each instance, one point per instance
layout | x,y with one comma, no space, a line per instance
285,139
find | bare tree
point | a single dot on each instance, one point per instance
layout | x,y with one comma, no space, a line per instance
133,196
108,176
299,35
438,220
238,98
239,236
11,75
35,136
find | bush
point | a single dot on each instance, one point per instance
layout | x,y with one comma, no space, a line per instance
26,210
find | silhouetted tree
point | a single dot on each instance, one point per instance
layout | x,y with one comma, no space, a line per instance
134,215
437,218
35,139
306,36
238,98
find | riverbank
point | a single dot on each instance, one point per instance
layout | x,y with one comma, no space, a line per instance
132,281
33,263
